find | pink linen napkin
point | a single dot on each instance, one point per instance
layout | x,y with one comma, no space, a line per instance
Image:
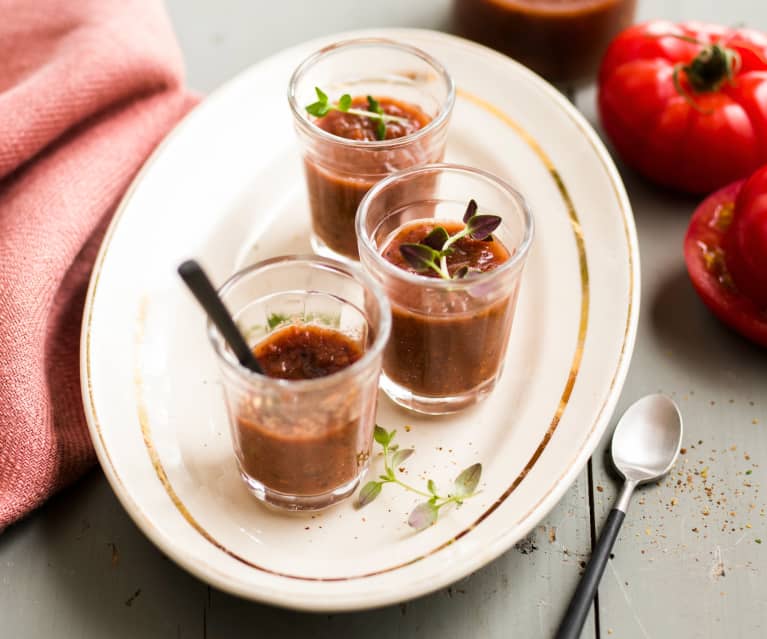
87,89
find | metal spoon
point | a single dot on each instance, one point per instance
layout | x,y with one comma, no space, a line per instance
645,446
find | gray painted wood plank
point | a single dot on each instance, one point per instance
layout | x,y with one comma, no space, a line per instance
80,568
688,562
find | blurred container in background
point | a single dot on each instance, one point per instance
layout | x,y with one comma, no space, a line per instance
562,40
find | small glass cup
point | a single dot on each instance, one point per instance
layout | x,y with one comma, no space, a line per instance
340,171
449,337
303,444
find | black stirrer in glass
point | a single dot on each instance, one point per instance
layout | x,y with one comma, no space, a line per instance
197,281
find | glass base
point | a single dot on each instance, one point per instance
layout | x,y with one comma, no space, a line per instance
302,503
429,405
320,248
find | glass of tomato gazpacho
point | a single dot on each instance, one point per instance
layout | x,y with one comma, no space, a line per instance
563,40
450,259
363,109
303,430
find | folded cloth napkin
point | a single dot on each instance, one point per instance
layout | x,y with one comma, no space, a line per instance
87,89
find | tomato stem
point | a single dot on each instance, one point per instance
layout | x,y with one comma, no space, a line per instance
685,93
714,65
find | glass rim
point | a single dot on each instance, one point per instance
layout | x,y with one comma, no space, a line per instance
516,259
308,126
355,273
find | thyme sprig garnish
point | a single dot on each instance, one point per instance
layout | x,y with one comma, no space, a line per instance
432,252
323,106
427,512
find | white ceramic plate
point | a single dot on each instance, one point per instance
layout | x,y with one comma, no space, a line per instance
221,184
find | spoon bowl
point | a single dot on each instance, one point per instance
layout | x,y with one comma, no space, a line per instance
647,439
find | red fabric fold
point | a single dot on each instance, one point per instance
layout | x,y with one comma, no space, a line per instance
87,90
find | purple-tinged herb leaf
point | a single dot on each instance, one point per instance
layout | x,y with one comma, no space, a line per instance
471,211
436,238
466,483
482,226
369,492
461,273
401,456
419,256
424,515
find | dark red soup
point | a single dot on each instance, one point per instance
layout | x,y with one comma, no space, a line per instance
335,193
454,347
306,351
311,451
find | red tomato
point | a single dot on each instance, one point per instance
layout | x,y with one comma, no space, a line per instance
686,104
726,254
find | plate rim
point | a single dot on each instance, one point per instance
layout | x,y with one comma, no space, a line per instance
545,502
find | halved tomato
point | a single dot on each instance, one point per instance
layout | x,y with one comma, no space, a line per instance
726,254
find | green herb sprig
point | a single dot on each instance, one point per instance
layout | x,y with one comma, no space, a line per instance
323,106
431,253
427,512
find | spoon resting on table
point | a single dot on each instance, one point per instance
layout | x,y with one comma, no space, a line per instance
645,446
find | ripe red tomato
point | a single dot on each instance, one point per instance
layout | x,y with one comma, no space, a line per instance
726,254
686,104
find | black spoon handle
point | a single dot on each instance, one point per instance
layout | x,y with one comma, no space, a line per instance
580,604
202,288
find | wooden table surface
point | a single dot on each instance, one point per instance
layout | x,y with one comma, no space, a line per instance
689,561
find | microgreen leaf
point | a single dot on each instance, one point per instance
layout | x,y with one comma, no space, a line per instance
380,435
321,107
436,238
373,105
424,515
432,252
419,256
466,483
318,109
381,130
471,211
427,512
461,273
401,456
369,492
482,226
375,112
275,319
